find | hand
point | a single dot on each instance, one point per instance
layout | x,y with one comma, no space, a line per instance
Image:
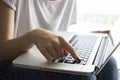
51,45
102,31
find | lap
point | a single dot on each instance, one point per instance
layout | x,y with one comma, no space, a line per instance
14,73
110,71
7,71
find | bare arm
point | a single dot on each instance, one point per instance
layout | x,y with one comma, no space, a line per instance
51,45
9,47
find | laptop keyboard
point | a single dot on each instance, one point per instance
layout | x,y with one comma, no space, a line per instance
83,45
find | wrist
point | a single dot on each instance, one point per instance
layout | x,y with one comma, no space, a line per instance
27,41
33,35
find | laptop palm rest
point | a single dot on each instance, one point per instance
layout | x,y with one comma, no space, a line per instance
33,59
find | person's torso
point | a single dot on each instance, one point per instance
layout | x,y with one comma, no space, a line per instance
52,15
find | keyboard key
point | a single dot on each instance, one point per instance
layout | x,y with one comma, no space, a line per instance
70,61
83,46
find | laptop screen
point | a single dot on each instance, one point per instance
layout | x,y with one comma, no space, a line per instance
115,32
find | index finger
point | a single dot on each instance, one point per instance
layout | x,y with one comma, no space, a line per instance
70,49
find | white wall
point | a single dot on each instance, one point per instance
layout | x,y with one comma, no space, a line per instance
99,6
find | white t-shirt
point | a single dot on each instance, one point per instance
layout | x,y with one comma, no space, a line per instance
52,15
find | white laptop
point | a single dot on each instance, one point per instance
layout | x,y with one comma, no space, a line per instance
100,52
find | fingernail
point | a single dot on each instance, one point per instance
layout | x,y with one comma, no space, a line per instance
78,59
65,52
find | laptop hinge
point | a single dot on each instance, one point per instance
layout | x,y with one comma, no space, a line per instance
101,51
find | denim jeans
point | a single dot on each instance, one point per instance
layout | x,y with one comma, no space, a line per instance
110,71
8,72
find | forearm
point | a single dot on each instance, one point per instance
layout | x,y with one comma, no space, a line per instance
12,48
